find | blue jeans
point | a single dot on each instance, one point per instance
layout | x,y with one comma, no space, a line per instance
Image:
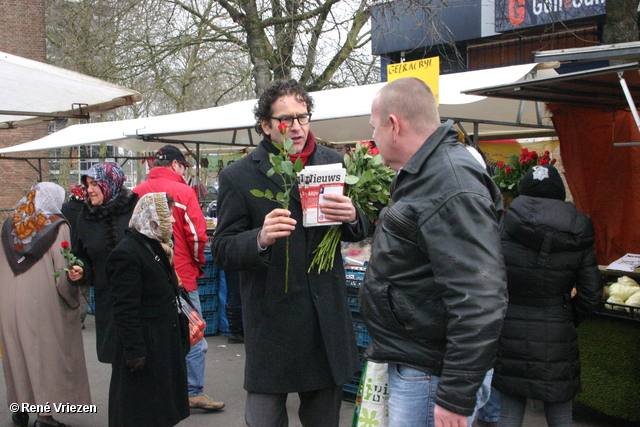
483,396
196,356
490,412
412,396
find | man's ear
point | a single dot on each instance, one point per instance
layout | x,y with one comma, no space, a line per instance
265,127
395,127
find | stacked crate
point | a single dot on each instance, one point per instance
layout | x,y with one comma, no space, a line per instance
354,277
208,291
91,308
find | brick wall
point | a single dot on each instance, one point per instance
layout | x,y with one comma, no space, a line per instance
22,33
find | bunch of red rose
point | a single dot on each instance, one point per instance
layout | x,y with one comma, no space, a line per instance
508,176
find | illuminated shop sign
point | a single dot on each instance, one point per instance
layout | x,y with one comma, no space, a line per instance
515,14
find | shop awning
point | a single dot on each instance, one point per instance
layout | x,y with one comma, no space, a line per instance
340,115
600,87
33,92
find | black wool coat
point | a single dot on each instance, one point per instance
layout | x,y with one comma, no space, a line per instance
146,325
304,339
98,230
548,249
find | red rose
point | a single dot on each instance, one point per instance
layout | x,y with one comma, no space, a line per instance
64,244
366,143
508,169
500,165
282,127
374,151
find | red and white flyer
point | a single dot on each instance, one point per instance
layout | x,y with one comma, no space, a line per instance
313,183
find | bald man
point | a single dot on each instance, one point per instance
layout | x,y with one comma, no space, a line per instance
434,296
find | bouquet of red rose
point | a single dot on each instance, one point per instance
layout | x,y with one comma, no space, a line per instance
73,260
508,176
367,185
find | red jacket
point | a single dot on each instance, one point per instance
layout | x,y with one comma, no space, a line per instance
190,228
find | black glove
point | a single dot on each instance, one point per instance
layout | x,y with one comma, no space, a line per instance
135,364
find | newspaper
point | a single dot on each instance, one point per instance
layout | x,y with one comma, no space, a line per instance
313,183
629,262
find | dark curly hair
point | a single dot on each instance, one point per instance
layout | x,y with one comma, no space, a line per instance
278,88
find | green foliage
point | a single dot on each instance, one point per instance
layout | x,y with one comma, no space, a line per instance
283,166
367,184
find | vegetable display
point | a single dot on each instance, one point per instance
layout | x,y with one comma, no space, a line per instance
625,291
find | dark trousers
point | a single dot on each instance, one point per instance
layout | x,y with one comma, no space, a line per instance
319,408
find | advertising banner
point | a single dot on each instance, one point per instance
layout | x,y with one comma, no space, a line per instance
516,14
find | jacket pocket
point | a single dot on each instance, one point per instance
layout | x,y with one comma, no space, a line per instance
399,225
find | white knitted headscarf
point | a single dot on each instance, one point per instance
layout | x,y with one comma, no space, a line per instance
152,217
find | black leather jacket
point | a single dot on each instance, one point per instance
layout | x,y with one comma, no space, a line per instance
435,292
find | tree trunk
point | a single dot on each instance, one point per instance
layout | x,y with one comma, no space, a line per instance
621,23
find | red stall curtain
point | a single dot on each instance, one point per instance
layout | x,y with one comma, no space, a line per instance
603,179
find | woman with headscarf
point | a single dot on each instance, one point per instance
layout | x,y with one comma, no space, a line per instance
43,354
149,376
99,228
548,250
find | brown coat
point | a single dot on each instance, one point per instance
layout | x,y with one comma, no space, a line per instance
43,354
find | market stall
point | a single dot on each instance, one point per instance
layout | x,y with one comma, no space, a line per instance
595,114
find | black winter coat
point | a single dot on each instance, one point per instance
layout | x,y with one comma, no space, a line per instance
146,325
548,247
98,230
304,339
435,291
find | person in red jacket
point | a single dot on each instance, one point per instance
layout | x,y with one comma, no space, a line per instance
190,234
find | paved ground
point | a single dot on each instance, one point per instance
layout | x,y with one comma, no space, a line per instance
224,378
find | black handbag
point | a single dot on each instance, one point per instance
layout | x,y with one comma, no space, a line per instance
183,320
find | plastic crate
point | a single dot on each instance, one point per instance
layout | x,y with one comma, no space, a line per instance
211,318
350,389
362,336
352,298
210,270
208,286
209,303
354,273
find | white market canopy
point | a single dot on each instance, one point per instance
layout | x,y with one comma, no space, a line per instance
340,115
33,92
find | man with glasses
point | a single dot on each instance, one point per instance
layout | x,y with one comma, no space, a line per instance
301,340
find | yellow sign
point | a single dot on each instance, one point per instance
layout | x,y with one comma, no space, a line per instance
427,70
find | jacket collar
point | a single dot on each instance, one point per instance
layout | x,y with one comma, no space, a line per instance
162,172
444,133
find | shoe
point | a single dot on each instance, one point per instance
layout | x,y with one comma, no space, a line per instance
43,424
20,418
235,339
203,401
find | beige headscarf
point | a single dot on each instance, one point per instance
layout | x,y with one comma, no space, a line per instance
152,217
29,233
35,212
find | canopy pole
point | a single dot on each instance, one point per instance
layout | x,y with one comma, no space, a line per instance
627,94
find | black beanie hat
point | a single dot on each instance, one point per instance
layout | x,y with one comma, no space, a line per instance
543,181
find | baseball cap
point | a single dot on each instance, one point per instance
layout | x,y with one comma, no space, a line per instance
169,152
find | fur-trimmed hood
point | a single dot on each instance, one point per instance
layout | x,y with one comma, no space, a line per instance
125,202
